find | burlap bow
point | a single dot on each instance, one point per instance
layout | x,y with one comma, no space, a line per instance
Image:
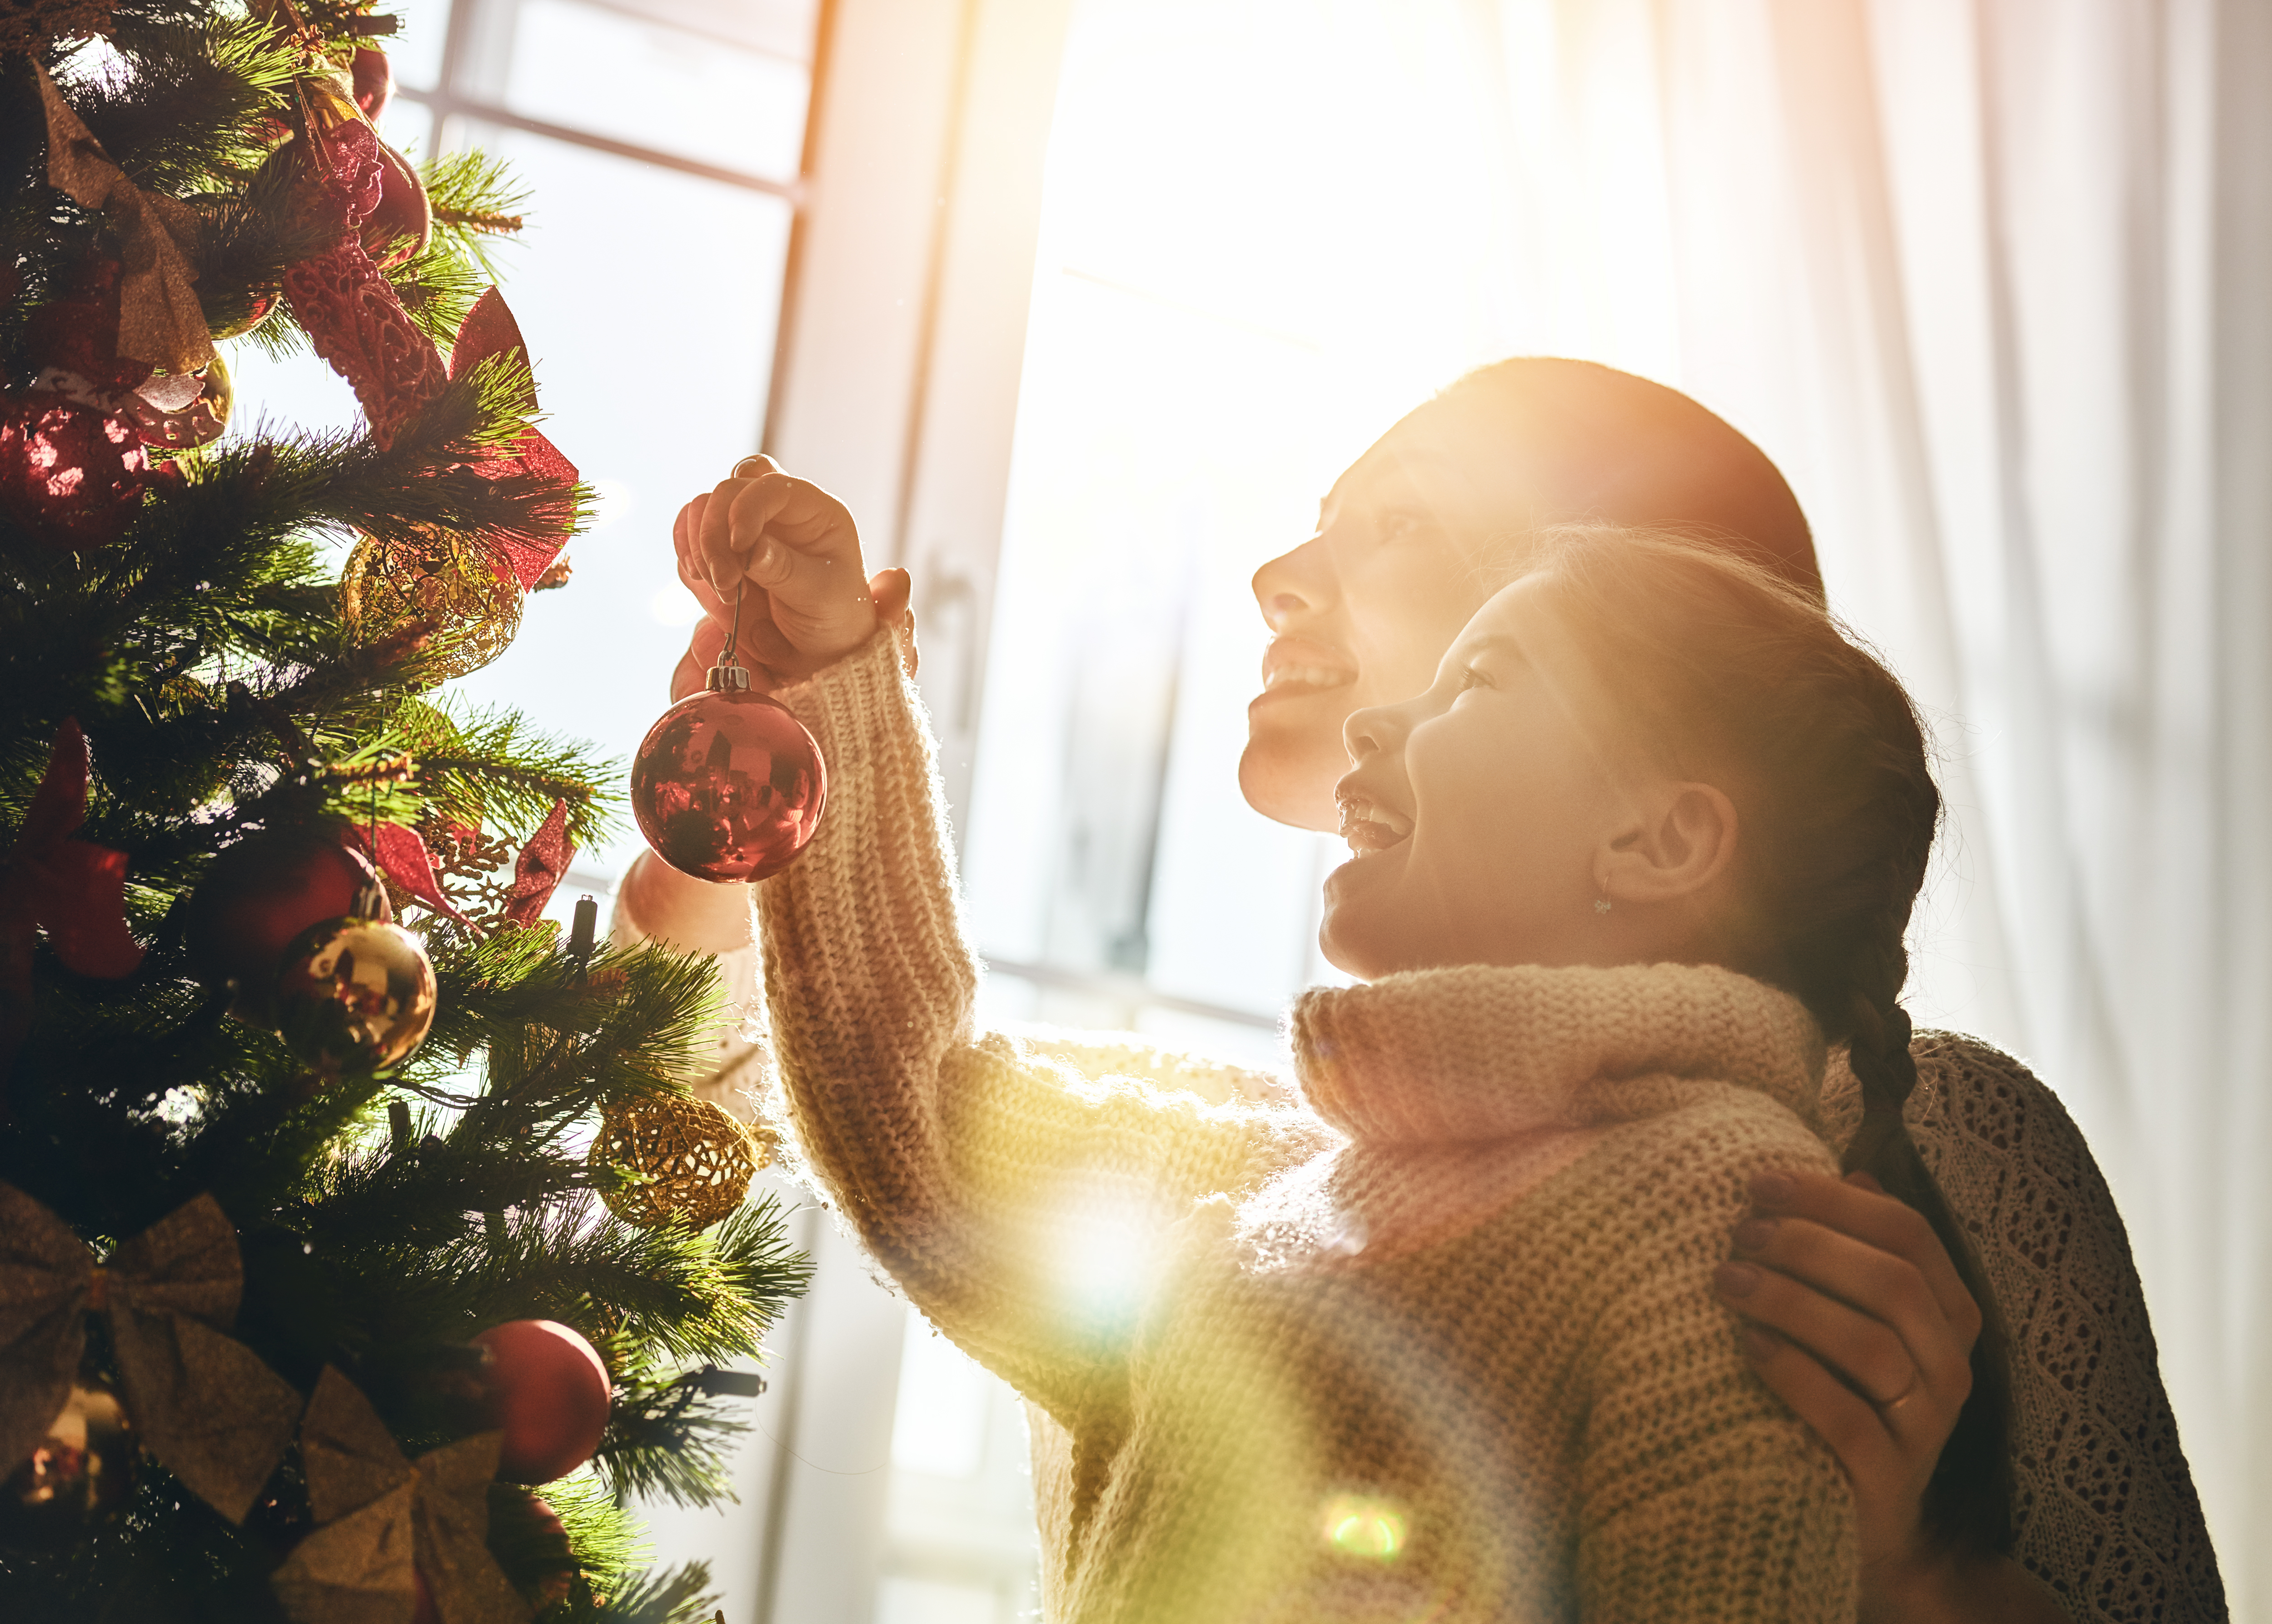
206,1406
160,321
382,1520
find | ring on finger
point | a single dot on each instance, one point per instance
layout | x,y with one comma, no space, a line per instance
1916,1385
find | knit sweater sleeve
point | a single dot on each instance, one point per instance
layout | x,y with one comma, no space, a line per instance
1126,1054
1701,1496
999,1186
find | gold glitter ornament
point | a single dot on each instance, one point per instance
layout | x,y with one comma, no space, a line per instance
697,1161
442,581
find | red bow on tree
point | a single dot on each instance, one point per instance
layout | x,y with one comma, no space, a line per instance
490,330
74,887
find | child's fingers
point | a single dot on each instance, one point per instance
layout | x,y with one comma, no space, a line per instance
1876,1220
715,558
780,507
890,591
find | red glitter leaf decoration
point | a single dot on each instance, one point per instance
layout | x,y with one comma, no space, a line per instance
537,873
402,857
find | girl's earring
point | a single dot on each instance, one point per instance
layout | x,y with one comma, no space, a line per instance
1601,904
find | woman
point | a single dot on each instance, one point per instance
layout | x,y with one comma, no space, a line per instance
1364,610
1443,1345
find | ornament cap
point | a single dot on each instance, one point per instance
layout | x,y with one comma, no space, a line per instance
727,678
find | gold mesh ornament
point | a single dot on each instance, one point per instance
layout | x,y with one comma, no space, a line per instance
697,1160
442,580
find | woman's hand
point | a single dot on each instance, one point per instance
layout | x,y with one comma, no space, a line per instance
792,553
1860,1323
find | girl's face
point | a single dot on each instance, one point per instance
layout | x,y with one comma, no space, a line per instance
1479,810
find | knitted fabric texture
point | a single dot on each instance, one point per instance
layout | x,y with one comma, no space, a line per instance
2106,1510
1332,1364
2106,1506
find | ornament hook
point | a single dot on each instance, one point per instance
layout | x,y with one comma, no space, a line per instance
729,675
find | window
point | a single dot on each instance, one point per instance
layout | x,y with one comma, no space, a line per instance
661,142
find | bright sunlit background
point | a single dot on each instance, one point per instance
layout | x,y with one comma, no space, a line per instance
1082,304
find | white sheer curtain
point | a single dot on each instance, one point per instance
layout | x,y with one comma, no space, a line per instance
1992,280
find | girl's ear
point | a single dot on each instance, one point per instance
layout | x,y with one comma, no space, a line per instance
1679,840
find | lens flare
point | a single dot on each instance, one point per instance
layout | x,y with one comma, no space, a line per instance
1361,1526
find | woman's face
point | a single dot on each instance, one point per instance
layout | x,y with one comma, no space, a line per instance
1477,811
1364,610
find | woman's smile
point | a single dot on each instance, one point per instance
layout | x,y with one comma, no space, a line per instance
1296,667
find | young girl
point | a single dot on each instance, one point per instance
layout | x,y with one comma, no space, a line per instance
1445,1343
1364,611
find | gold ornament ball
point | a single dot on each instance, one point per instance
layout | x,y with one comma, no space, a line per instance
444,582
77,1475
356,996
697,1161
181,416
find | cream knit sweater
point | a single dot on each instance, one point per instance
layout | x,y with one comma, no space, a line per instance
1441,1345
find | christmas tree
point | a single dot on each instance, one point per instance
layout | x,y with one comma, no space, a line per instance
361,1249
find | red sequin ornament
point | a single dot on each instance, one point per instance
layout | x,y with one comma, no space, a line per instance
72,475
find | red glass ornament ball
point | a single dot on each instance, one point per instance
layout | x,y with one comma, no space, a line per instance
729,786
261,893
398,228
548,1392
374,81
72,475
554,1584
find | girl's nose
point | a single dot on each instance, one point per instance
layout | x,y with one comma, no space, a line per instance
1373,729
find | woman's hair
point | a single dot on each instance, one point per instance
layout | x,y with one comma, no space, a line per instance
1607,446
1737,676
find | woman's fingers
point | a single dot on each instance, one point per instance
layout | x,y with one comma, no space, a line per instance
1887,1456
1867,1313
800,544
1855,1207
1868,1352
788,554
1854,1428
889,590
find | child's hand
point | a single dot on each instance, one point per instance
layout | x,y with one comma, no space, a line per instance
793,552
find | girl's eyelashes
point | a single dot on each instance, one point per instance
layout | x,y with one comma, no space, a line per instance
1470,677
